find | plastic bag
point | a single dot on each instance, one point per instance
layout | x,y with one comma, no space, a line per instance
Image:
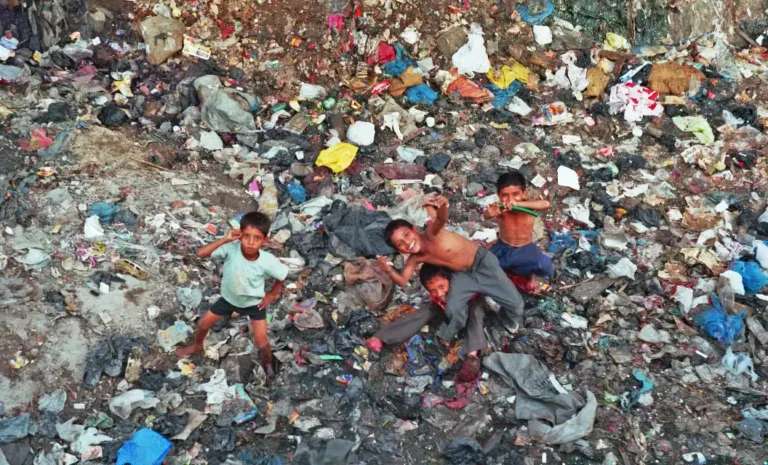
505,76
536,12
698,125
104,211
635,101
337,158
753,277
297,192
720,325
108,357
472,56
421,94
125,403
146,447
739,364
469,89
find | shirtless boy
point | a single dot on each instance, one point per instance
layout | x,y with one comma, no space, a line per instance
515,249
475,269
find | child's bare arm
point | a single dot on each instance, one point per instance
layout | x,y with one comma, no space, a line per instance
401,279
206,250
532,204
441,203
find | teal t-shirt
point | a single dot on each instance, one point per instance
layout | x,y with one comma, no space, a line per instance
243,281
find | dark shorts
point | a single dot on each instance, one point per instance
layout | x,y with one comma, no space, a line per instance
525,260
224,308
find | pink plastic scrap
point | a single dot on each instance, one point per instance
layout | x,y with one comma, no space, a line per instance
335,21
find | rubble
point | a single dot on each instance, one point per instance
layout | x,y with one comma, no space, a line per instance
135,133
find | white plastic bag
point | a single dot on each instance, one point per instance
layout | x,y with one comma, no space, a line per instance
472,56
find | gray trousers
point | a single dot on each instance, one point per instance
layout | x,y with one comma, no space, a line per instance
484,277
407,326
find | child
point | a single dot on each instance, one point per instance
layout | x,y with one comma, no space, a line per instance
242,285
475,269
437,281
515,249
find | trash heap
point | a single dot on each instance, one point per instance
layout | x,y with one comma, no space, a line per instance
151,130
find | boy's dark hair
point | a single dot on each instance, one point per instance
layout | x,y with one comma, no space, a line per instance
256,220
429,272
512,178
393,226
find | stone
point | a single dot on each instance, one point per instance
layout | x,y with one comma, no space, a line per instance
438,162
588,290
490,151
473,188
209,140
451,40
164,38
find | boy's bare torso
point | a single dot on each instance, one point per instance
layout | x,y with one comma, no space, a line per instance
516,228
449,250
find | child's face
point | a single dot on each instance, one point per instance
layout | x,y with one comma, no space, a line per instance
406,240
511,194
251,240
438,288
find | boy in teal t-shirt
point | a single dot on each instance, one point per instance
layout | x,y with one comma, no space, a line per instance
245,271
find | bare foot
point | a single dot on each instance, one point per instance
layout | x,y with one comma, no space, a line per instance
187,351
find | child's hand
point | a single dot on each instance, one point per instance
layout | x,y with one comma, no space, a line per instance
509,204
233,235
493,210
437,201
269,297
383,262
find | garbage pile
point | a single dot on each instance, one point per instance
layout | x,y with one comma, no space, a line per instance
132,142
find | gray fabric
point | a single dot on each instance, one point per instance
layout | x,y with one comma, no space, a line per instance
405,327
538,401
485,277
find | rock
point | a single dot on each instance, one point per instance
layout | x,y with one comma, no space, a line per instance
650,334
209,140
473,188
451,40
164,38
490,151
301,170
238,368
438,162
587,291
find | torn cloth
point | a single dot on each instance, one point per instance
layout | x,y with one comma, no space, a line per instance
371,284
538,401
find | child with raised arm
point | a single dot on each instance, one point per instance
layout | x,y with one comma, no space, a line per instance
245,271
475,269
515,248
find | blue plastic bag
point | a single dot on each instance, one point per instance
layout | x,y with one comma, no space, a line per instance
538,18
501,97
104,211
145,448
719,325
401,63
297,192
421,94
752,276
